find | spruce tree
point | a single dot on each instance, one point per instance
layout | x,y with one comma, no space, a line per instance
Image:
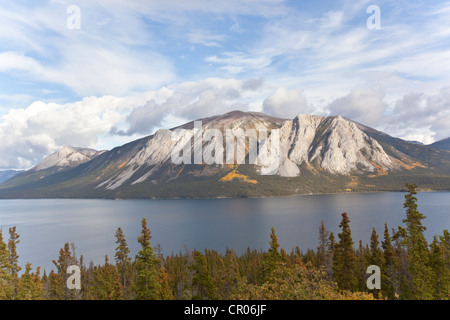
403,275
331,251
322,249
272,257
437,265
105,283
361,263
445,247
13,258
30,286
203,287
344,261
164,293
230,273
376,257
5,277
417,247
58,279
146,286
389,282
123,262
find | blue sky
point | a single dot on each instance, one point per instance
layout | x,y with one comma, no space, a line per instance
135,66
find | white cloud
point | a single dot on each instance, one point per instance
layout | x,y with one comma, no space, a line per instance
239,62
205,38
421,116
416,116
13,61
31,133
193,100
285,103
331,19
91,70
385,78
104,57
28,134
365,105
158,9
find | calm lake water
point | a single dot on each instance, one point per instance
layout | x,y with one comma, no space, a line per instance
46,225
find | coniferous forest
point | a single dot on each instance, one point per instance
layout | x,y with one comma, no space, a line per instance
411,269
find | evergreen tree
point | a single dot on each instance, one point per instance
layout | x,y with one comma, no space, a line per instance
344,261
331,250
14,267
123,262
445,247
230,273
417,247
389,283
146,286
30,286
439,271
105,283
164,293
202,283
376,257
362,261
272,257
322,249
58,280
5,276
274,246
55,286
403,275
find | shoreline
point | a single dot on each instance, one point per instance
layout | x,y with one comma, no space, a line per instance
224,197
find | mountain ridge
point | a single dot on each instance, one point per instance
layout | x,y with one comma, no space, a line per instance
443,144
316,154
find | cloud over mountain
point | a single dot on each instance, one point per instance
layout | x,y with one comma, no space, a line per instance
136,66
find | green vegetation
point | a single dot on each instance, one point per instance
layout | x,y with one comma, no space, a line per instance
410,269
189,186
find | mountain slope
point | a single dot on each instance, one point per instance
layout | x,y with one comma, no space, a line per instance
67,157
8,174
203,158
443,144
334,144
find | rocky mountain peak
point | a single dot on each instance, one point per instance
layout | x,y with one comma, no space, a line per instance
67,156
331,143
315,153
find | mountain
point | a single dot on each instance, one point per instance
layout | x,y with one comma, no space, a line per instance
8,174
415,142
67,157
443,144
239,154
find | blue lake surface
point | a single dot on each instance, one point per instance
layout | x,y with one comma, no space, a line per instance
45,225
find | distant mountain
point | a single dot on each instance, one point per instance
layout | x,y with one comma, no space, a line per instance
415,142
443,144
8,174
314,155
67,156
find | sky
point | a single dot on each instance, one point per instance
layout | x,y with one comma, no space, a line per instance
101,73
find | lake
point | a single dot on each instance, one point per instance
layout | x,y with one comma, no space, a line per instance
45,225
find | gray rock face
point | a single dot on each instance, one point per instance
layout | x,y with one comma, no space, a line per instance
334,144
